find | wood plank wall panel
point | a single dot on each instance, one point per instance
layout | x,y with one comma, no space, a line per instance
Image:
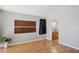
24,30
21,26
24,23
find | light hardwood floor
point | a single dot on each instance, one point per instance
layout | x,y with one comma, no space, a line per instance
41,46
60,48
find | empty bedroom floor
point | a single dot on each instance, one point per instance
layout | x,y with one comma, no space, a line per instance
41,46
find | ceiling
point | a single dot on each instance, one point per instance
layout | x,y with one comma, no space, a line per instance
38,10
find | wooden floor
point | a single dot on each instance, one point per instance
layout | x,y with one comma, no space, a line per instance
60,48
41,46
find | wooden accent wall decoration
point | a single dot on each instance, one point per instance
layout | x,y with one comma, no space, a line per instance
21,26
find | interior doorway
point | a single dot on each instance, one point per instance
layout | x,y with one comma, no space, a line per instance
55,33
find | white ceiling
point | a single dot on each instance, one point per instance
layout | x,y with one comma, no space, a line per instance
38,10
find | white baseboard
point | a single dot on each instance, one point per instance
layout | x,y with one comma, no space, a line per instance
24,42
68,45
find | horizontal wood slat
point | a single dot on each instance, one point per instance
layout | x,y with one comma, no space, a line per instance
25,26
24,30
24,23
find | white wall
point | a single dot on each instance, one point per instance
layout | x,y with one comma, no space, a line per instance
68,25
0,24
8,26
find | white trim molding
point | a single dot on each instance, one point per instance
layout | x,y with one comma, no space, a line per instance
24,42
68,45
